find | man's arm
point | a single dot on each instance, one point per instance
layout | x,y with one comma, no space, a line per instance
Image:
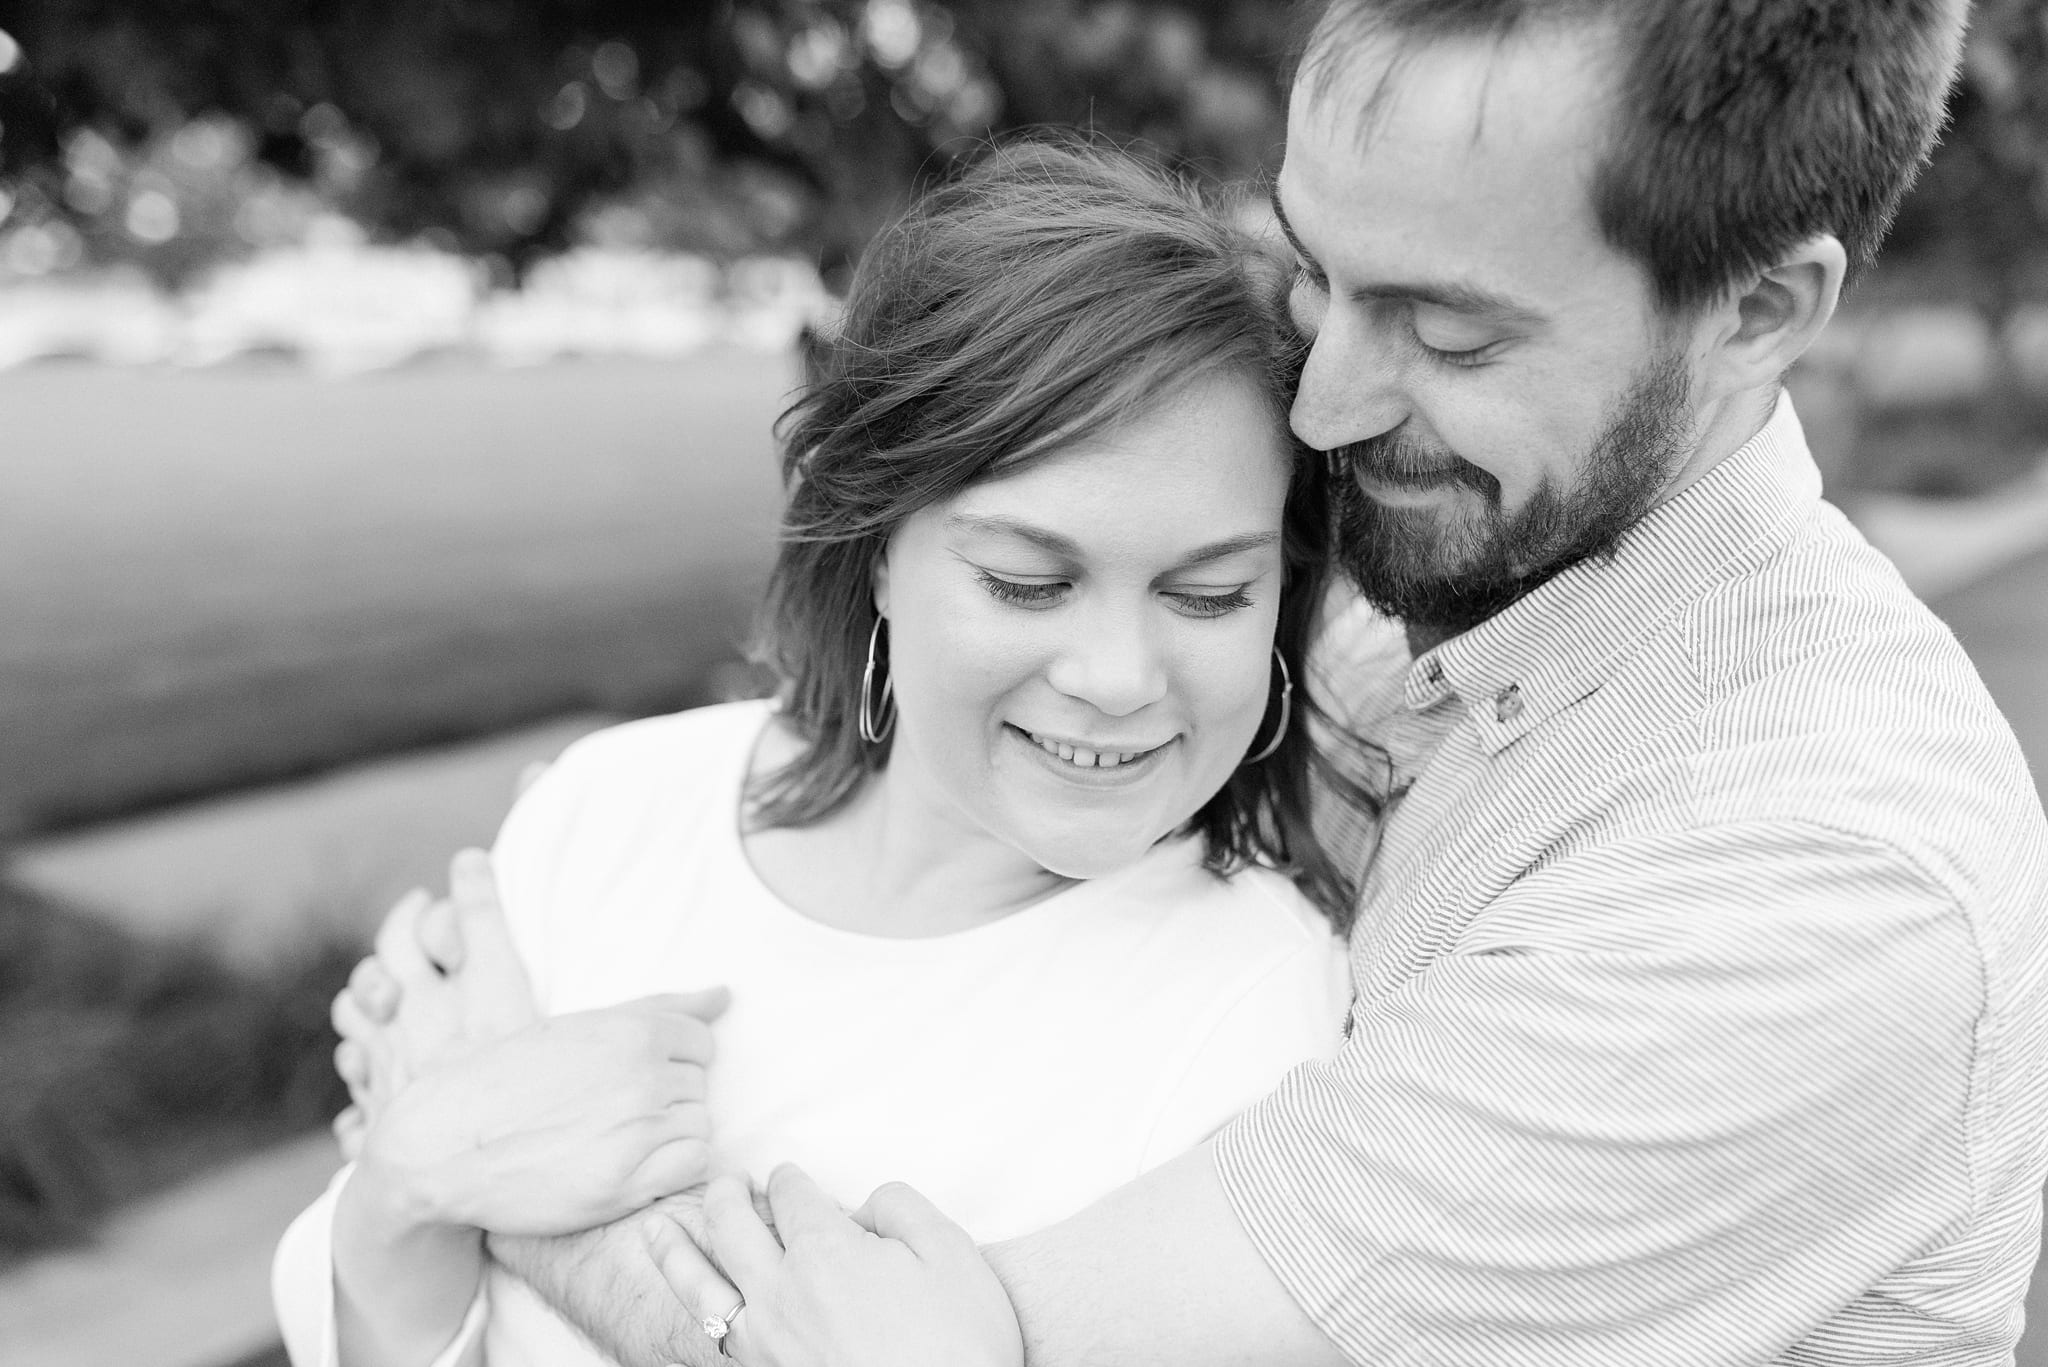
604,1282
1158,1272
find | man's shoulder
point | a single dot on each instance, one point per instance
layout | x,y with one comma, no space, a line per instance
1813,691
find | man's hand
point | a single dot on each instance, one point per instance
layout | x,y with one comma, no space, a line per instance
896,1284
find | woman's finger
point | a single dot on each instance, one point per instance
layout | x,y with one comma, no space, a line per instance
472,883
692,1279
374,991
440,936
682,1036
685,1084
897,1210
347,1016
398,939
803,1210
349,1129
736,1235
674,1166
352,1066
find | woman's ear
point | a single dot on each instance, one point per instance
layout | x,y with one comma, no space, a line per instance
1760,330
881,579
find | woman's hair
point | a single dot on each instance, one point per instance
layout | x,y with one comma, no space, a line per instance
1056,290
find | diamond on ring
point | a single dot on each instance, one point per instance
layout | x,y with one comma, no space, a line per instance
716,1327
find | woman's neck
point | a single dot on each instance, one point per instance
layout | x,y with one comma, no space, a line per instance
897,861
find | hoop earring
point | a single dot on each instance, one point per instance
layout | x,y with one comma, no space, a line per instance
877,720
1286,710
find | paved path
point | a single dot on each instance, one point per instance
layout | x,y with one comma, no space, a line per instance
179,1281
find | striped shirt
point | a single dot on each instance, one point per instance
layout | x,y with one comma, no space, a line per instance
1702,973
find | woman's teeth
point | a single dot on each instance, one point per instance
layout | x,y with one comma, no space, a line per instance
1083,758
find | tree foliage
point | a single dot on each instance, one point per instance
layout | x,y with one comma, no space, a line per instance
508,126
1983,204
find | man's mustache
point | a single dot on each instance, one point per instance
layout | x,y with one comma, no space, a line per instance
1404,463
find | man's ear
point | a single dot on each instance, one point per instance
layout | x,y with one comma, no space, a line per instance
1760,330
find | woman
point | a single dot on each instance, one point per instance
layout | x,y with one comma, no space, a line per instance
1014,887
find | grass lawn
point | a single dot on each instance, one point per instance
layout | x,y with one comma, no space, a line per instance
226,576
218,577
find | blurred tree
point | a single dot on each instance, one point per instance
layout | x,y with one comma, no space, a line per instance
508,127
1982,207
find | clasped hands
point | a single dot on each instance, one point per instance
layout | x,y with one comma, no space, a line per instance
472,1110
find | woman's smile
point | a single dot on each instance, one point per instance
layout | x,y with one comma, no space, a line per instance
1083,761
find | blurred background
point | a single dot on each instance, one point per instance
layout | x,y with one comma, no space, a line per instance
384,401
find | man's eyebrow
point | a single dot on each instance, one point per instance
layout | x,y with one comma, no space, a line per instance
1455,295
997,525
1287,227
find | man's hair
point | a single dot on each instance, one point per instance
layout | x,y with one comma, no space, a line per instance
1740,127
1056,290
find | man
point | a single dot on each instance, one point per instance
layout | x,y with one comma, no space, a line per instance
1702,968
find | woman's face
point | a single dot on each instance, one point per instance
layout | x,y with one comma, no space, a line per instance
1082,651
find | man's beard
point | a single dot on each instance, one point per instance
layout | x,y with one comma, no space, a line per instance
1413,566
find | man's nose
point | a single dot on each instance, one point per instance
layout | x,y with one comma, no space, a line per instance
1349,389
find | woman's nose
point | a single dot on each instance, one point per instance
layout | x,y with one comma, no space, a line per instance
1111,663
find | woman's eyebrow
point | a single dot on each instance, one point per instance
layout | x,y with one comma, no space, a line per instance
1000,525
997,525
1229,546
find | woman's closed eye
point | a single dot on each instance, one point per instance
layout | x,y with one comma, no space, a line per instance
1045,593
1208,603
1024,593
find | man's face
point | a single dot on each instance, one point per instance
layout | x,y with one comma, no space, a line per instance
1488,372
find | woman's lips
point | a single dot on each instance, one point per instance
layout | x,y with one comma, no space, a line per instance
1079,755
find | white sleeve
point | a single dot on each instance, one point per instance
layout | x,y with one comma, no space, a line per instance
302,1290
1288,1014
529,857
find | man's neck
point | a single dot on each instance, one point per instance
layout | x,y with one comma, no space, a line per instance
1724,429
1423,638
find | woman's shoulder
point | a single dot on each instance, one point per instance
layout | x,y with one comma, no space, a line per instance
610,787
653,746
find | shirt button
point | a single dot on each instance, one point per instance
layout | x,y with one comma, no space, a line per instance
1434,672
1507,704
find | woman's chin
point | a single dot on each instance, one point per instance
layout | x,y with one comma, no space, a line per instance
1091,854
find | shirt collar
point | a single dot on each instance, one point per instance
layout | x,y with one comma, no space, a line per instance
1551,648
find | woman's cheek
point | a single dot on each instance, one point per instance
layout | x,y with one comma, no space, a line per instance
1238,670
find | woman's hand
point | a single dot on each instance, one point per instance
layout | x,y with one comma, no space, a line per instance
445,979
895,1284
570,1122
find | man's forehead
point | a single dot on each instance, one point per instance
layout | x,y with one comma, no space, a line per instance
1476,170
1459,88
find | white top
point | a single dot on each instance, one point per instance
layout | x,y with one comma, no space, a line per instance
1702,973
1013,1072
